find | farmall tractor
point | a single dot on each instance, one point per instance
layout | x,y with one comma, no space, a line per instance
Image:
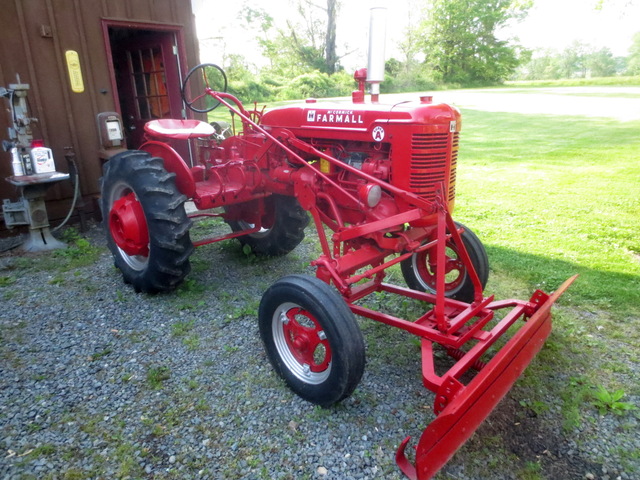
378,183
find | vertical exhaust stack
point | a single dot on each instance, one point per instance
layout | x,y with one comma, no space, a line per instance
377,40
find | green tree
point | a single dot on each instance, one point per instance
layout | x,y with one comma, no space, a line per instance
600,63
633,60
409,73
331,56
460,40
571,62
543,65
306,42
576,61
242,83
301,52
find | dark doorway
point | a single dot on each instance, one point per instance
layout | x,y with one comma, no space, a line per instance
147,74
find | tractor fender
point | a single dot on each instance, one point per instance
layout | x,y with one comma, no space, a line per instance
173,162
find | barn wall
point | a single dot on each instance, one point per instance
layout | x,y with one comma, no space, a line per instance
34,35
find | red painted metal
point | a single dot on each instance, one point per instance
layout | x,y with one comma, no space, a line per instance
128,225
466,407
173,162
379,183
305,339
229,236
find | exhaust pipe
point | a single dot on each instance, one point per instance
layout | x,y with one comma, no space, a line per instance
377,41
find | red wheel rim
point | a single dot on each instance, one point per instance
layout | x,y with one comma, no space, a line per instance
455,271
128,225
306,340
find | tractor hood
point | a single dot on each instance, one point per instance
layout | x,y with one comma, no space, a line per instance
334,117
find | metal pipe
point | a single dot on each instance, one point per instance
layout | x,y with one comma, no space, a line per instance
377,40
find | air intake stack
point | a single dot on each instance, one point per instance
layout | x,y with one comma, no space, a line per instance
377,40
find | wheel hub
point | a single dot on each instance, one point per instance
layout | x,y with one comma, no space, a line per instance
454,270
128,225
306,340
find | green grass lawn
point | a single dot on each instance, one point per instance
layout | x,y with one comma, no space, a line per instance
552,196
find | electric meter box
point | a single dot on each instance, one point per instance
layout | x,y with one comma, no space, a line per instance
110,129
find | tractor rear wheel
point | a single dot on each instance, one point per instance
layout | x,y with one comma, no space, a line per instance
145,222
283,223
312,339
419,270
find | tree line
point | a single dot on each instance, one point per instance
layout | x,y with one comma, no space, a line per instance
579,60
452,42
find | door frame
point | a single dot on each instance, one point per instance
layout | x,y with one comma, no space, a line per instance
181,57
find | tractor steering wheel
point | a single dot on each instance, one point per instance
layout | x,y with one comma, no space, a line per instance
201,78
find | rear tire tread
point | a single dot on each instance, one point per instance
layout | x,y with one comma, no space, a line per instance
169,241
286,233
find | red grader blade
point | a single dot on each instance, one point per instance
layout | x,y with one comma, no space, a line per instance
466,407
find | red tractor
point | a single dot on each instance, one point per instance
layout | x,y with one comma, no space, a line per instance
378,182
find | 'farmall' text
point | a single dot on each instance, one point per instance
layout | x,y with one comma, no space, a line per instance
334,116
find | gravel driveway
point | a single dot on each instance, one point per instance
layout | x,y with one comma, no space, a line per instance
98,382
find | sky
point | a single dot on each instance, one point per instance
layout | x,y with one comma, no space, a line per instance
556,24
551,24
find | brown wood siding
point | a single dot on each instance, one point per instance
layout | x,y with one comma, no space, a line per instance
68,119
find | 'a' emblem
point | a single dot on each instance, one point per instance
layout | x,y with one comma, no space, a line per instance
378,134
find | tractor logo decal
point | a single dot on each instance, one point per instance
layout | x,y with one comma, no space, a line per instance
378,134
343,117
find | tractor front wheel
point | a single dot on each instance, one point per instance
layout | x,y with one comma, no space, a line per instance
419,270
145,222
312,339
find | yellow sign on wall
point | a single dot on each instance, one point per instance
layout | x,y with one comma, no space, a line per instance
75,72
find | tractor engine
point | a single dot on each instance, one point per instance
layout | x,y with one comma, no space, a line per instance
412,146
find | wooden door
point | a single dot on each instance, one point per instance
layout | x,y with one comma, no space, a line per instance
148,80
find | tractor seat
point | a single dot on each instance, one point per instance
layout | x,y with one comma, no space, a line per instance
178,129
